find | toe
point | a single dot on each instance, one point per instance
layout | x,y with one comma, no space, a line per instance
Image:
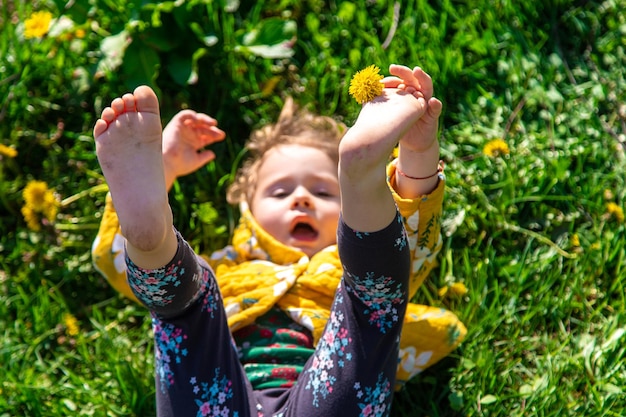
108,115
129,102
99,128
118,106
146,100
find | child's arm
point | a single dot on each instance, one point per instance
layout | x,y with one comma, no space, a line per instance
422,221
414,176
418,151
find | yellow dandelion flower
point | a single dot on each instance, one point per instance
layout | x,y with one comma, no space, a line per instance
50,209
575,240
443,291
80,33
7,151
615,211
496,147
365,85
37,25
36,195
31,218
458,288
71,324
39,201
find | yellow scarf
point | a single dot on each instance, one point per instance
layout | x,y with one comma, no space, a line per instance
265,273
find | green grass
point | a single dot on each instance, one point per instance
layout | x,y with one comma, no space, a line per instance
528,233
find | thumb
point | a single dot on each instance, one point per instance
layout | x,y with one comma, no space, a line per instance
434,107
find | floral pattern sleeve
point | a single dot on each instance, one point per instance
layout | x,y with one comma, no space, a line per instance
170,290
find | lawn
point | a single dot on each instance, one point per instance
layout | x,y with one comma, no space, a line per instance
533,138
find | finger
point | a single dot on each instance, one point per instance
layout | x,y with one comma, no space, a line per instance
204,157
205,119
212,134
391,82
424,81
406,74
207,138
412,91
190,118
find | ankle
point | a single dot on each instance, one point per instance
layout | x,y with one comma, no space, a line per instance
154,246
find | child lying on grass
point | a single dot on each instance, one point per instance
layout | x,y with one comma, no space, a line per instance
307,312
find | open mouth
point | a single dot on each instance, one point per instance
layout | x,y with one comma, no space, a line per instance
303,231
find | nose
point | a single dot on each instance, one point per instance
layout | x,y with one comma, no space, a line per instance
302,198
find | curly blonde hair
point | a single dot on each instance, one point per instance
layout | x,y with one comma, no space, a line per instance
294,127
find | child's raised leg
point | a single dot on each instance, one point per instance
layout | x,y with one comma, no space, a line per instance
198,371
128,146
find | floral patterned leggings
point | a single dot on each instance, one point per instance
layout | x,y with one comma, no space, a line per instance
351,373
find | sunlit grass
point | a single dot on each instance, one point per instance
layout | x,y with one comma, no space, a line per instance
533,142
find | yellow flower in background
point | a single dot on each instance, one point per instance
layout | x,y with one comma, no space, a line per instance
496,147
71,324
37,195
615,211
7,151
443,291
38,200
575,240
365,85
457,289
31,218
37,25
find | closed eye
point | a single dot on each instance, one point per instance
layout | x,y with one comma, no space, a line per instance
280,193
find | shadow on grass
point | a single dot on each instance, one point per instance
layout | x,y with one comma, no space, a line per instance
428,394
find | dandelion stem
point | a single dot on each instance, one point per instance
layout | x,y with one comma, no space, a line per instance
394,26
95,189
540,238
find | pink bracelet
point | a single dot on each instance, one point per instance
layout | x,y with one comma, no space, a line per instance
440,169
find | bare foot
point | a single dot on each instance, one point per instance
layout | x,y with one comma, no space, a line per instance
128,146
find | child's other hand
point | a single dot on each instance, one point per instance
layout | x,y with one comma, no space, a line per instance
184,138
423,133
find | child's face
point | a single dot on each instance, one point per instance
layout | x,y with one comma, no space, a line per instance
297,197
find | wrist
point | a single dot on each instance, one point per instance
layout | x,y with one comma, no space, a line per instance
418,164
420,178
417,171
